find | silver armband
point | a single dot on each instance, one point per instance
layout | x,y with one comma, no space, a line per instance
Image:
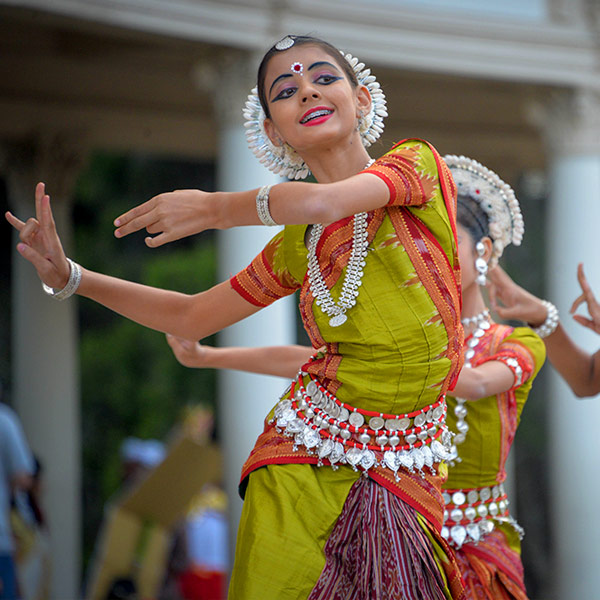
262,206
551,322
72,284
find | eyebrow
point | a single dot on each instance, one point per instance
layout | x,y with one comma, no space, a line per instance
313,66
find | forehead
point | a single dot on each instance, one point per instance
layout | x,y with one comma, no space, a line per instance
307,54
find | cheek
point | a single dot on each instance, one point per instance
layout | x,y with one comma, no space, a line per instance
463,255
467,264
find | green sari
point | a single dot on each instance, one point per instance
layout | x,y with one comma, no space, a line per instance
398,351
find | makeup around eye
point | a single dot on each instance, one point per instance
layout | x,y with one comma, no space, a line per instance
289,87
325,78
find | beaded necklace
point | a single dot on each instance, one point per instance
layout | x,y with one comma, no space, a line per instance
482,323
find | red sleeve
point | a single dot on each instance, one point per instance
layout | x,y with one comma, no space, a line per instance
517,358
266,278
409,170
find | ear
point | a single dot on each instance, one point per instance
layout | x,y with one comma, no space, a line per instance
272,133
489,246
363,100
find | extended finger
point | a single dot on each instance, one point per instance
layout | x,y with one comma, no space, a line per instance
135,213
137,224
577,302
40,191
581,276
47,218
593,306
584,321
16,223
583,282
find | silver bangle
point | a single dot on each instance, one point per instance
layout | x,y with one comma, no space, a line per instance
262,206
72,284
551,323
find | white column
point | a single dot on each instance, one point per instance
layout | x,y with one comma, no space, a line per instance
244,399
45,361
573,129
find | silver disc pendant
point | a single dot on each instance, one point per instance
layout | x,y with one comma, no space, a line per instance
338,320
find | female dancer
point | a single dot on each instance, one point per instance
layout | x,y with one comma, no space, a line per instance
378,290
501,364
579,368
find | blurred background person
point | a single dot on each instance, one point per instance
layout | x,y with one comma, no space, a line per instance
16,471
31,538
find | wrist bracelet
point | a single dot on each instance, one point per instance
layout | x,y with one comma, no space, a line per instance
551,322
72,284
262,206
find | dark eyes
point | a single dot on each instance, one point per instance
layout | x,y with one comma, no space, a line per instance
327,79
324,79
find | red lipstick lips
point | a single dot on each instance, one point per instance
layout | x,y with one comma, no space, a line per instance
316,116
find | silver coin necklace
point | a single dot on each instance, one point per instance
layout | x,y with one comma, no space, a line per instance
336,311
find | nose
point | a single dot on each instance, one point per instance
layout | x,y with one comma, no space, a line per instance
308,92
307,97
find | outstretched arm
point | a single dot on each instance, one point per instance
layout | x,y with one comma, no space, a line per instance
188,316
181,213
280,361
580,369
488,379
403,176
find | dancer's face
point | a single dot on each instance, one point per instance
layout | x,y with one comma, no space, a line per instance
310,99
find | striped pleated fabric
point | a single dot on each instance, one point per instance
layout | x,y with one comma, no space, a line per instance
378,551
491,569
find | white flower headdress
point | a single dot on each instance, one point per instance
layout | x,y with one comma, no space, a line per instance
284,159
495,197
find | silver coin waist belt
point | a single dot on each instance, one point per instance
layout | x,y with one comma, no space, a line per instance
471,514
338,433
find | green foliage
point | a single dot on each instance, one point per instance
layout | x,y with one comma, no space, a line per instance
131,385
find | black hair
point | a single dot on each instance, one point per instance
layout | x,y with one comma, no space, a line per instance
472,217
300,40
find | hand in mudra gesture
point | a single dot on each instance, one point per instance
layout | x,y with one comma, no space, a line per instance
40,243
510,301
587,297
188,352
170,216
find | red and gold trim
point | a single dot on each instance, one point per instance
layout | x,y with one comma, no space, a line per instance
497,347
491,569
259,284
397,169
422,492
438,278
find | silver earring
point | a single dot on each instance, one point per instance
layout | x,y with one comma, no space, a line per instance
481,265
361,123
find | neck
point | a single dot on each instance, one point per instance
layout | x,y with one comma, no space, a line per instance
337,162
473,302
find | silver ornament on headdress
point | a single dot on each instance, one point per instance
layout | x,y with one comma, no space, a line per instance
285,43
495,197
283,159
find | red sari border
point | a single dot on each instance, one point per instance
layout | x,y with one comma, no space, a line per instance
423,493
